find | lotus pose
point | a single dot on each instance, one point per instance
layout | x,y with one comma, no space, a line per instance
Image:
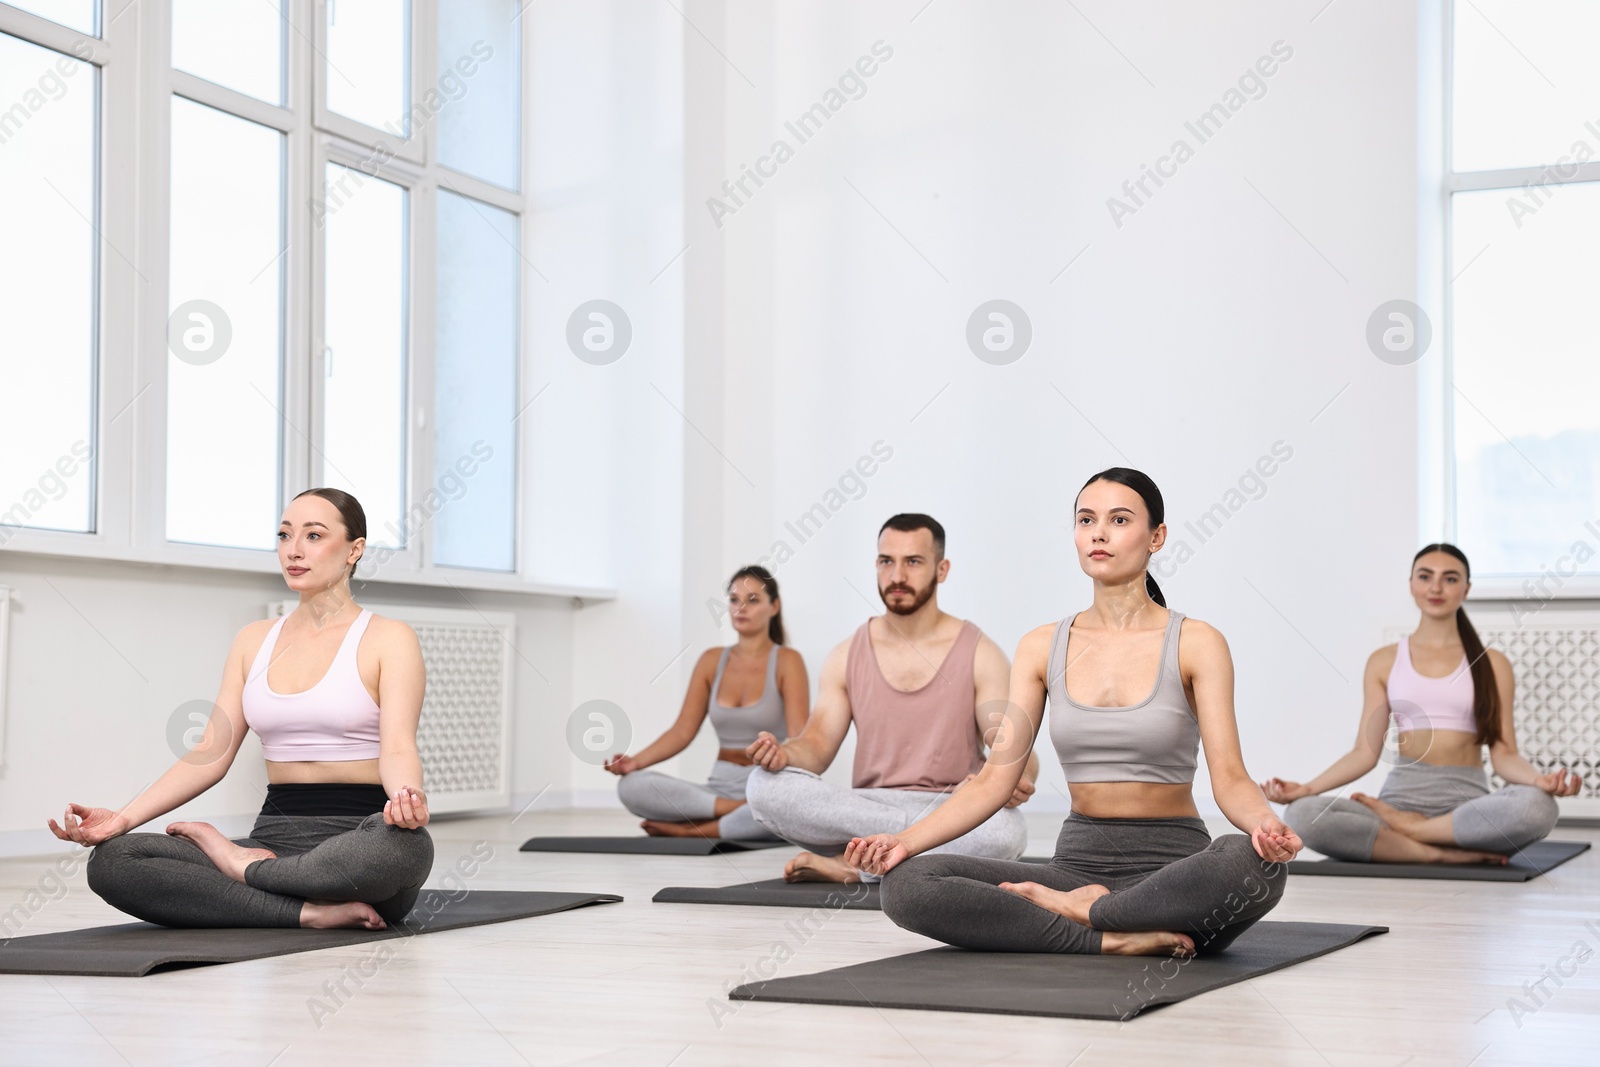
767,683
1133,690
335,693
919,686
1447,697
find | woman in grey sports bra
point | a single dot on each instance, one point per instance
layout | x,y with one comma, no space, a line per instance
1135,872
758,667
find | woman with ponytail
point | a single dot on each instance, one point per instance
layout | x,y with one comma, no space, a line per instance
1447,697
1135,871
754,685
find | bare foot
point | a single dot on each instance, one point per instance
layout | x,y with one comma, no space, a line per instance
340,916
1074,905
1395,819
810,867
658,828
1445,854
231,859
1146,943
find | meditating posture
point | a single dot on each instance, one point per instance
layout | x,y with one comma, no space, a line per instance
769,691
1447,696
1133,689
335,693
920,687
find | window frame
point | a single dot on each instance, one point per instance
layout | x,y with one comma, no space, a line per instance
136,83
1437,394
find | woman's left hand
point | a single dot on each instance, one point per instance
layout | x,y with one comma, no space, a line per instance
1274,841
1559,783
407,809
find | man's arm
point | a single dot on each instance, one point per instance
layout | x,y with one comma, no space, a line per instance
991,682
825,730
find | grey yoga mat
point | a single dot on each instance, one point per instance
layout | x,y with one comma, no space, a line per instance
1531,862
647,846
776,893
135,949
1061,986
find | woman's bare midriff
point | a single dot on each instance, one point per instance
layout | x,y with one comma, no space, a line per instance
1132,800
323,772
1449,748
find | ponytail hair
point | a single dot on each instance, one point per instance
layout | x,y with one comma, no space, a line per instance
1485,694
770,584
1140,483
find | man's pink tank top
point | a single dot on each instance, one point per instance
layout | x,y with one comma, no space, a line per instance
925,740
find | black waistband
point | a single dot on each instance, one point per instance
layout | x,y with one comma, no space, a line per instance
324,798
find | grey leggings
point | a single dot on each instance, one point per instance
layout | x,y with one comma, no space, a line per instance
1164,874
653,795
168,880
822,817
1502,821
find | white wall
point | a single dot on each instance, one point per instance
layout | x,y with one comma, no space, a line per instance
1186,342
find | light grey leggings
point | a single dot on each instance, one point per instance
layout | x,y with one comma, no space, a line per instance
168,880
1502,821
653,795
822,817
1164,874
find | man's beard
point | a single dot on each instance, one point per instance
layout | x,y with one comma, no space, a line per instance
921,599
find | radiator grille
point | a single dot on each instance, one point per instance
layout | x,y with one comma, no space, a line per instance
464,735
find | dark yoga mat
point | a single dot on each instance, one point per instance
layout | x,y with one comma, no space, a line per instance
776,893
647,846
135,949
1060,986
1531,862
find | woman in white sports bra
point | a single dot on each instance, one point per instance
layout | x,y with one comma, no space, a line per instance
1447,697
335,693
757,684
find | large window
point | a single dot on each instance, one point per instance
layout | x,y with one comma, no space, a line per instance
1524,349
299,266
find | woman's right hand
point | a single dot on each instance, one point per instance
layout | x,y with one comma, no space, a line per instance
1280,791
621,764
89,826
878,854
767,753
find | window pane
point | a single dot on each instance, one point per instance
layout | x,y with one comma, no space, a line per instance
236,43
1525,82
475,386
81,15
1527,367
479,86
224,334
369,43
47,289
364,334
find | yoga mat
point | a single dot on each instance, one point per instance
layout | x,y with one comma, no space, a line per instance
647,846
1531,862
1579,822
776,893
1059,986
135,949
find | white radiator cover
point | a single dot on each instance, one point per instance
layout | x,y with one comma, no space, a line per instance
1557,715
464,735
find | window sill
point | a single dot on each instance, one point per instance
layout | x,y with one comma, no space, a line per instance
245,561
1579,588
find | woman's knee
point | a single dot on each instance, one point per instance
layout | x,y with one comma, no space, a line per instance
631,788
108,868
1301,815
1257,880
910,891
1542,811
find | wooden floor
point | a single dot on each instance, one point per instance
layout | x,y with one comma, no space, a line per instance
642,983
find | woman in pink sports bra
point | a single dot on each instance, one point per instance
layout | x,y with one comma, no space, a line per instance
1448,696
335,694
